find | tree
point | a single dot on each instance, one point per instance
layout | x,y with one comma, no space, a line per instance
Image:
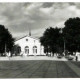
71,33
6,40
51,40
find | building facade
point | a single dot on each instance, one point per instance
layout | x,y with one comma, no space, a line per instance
30,46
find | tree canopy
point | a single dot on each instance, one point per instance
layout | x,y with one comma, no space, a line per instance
6,40
71,33
52,40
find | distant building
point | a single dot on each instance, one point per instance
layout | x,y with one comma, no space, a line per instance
30,46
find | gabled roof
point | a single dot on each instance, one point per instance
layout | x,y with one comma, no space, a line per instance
27,36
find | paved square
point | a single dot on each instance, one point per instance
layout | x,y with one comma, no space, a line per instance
38,69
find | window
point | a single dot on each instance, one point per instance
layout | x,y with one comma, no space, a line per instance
34,49
27,50
18,49
26,39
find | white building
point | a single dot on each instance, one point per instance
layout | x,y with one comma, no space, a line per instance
30,46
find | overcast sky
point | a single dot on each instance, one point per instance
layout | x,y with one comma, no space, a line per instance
19,17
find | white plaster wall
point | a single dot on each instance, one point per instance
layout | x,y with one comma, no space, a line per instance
31,42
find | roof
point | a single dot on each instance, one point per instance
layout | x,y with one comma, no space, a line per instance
27,36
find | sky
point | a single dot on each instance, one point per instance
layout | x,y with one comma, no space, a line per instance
19,18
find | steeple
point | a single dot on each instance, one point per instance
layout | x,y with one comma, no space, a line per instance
29,32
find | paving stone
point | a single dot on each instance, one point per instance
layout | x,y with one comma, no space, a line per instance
38,69
74,68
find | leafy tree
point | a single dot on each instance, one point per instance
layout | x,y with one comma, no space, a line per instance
6,40
71,33
51,40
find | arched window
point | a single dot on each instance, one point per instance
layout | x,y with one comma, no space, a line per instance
27,50
34,49
19,49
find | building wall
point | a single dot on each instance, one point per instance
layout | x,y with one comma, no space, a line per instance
30,42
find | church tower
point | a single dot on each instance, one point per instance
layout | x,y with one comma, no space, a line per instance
29,32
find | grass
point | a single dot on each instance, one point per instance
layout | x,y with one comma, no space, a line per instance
35,69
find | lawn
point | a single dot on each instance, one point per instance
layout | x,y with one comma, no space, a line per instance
36,69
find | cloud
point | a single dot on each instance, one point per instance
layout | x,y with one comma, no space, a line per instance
47,5
18,17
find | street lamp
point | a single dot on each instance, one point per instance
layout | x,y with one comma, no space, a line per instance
63,39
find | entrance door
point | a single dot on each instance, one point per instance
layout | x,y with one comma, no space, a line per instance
27,50
35,50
